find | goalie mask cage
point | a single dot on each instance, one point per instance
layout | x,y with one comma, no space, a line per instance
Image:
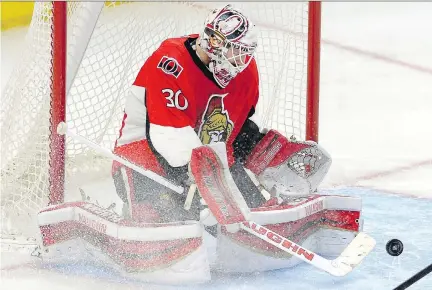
78,62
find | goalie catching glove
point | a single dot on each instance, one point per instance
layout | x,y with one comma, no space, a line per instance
287,167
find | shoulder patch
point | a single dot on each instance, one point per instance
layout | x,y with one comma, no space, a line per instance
170,66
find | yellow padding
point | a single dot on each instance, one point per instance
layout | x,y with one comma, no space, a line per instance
15,14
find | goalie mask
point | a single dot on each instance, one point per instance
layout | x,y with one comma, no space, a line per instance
230,40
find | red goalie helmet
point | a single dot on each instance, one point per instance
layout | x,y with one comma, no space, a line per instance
230,40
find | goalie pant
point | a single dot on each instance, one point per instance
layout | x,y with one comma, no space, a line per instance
149,201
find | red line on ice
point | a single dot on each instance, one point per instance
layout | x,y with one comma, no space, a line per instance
378,56
385,173
394,170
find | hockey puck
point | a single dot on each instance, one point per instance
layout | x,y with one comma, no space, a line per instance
394,247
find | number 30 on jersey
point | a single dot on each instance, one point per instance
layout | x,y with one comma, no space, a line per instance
175,100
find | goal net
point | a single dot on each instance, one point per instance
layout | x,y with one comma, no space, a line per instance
107,43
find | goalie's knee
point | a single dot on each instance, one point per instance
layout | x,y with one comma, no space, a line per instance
288,165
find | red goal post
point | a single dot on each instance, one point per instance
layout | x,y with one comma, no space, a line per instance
72,76
58,102
313,73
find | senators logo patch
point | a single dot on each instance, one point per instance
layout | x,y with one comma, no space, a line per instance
170,66
216,125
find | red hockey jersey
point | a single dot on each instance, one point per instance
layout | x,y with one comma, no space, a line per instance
176,104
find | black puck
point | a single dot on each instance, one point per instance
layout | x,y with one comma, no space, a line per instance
394,247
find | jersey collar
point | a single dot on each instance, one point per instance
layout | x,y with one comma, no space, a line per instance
188,44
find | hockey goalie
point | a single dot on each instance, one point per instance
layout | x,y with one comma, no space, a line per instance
250,200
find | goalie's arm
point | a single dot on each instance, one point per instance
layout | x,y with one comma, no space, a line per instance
169,118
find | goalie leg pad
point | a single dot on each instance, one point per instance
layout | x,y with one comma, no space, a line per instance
324,224
287,166
165,253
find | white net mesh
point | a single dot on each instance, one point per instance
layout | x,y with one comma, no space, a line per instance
124,36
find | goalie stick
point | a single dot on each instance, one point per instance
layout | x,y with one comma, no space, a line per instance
63,129
226,203
414,278
342,265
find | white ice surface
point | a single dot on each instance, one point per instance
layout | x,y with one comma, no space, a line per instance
375,120
376,116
